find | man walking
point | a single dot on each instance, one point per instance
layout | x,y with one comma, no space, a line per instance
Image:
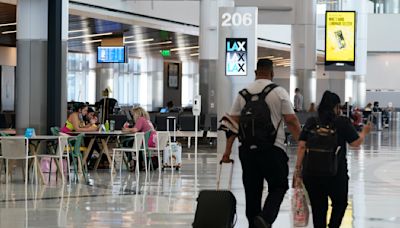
298,100
260,110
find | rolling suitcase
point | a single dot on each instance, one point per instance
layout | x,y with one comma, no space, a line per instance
216,208
173,152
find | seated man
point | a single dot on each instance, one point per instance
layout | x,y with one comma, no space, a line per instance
106,106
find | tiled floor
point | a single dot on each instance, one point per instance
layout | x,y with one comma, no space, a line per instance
168,200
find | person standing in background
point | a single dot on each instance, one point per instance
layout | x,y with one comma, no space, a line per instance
298,100
106,105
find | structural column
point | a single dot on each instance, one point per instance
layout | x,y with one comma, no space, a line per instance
209,50
41,84
104,77
359,81
303,51
57,62
228,86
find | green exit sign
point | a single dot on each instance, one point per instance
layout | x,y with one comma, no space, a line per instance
166,53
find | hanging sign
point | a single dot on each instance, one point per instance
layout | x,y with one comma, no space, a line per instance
340,40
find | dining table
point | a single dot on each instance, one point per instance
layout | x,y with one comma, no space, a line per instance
103,142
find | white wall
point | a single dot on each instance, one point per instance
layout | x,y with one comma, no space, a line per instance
8,56
272,12
383,71
383,32
281,33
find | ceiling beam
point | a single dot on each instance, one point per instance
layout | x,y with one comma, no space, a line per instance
131,19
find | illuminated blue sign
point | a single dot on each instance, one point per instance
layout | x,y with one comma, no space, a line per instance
111,54
236,57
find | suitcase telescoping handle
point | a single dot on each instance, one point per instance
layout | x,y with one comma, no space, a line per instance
230,177
174,118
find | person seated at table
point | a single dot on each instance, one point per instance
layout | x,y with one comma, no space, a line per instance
142,124
91,117
357,119
312,108
75,121
368,108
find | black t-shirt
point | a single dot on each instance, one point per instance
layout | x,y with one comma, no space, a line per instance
346,134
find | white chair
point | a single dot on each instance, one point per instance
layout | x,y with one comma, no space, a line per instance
163,139
138,146
61,152
17,148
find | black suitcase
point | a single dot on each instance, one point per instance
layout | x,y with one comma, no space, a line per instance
216,208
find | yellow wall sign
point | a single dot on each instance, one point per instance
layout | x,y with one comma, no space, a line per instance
340,37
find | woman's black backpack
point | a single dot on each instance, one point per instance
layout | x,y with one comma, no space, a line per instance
321,155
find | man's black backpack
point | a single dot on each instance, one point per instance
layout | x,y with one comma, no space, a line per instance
255,124
321,155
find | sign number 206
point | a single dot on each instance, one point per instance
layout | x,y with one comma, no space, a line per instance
236,19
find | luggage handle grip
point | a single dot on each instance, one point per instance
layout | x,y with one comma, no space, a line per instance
220,172
230,161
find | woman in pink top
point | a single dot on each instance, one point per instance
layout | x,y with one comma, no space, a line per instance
142,124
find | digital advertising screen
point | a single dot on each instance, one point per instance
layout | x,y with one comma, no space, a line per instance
340,40
111,54
236,57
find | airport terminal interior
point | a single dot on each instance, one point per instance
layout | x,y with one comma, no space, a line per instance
80,80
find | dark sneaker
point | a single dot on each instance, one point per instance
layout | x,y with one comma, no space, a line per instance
259,222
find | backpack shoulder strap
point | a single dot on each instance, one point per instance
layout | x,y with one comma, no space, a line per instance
264,93
245,94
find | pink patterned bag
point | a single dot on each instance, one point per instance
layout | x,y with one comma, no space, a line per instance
300,209
45,165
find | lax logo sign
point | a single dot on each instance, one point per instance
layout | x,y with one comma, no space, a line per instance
236,57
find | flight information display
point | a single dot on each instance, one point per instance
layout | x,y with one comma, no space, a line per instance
111,54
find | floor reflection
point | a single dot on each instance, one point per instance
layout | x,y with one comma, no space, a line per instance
169,199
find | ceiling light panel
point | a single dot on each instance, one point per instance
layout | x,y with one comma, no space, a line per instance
139,41
8,24
185,48
90,35
8,32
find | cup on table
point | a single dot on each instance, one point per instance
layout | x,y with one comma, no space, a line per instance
112,125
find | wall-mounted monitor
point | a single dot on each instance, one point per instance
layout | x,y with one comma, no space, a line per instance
340,40
106,54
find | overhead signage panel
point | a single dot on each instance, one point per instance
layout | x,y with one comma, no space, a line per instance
340,40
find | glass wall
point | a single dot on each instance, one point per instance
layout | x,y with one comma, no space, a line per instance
189,82
81,78
386,6
138,82
127,77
